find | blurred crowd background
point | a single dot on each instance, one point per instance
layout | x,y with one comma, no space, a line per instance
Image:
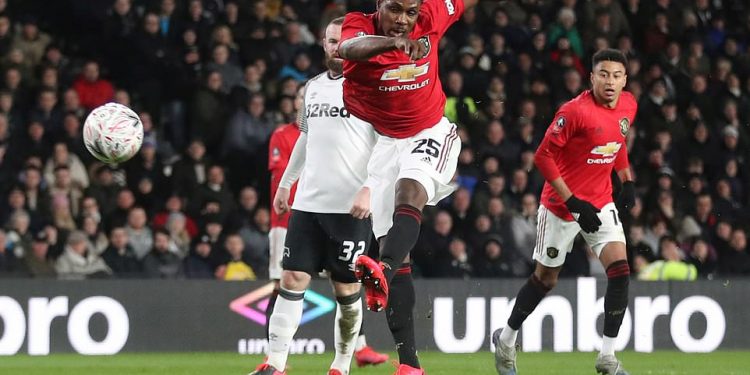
212,79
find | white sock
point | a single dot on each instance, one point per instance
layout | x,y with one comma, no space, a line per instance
361,343
346,331
508,336
608,345
283,325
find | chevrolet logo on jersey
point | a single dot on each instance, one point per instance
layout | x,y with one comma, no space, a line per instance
406,73
608,150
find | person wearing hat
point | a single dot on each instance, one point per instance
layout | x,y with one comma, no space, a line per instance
37,264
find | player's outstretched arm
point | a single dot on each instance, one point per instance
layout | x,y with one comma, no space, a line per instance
366,47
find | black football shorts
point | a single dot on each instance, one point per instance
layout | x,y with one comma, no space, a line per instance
331,242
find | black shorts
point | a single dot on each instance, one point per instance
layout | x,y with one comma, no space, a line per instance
332,242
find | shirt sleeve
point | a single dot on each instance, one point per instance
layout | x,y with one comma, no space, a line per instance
621,160
296,162
563,126
276,159
443,13
355,24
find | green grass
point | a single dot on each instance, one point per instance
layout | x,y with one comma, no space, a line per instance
666,363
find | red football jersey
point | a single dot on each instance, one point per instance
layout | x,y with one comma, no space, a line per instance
399,97
279,151
591,138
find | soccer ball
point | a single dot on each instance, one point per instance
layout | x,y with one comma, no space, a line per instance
113,133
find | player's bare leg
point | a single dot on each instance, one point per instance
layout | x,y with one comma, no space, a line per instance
346,327
537,286
614,259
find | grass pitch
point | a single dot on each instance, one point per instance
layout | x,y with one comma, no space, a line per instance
659,363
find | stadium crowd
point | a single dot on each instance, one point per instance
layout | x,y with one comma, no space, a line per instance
212,79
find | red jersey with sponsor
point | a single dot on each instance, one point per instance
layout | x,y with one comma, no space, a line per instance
279,151
591,142
399,97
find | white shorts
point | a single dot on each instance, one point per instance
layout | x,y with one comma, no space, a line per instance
555,236
430,157
276,238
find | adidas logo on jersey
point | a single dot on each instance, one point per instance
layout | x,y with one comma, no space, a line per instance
326,110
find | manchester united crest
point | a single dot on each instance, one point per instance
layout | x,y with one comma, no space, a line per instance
552,252
425,40
624,126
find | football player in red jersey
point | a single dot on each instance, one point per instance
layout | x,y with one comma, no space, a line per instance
584,143
392,82
280,149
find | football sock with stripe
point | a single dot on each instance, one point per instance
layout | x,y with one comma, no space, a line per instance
283,325
527,299
400,317
269,309
615,302
400,239
346,329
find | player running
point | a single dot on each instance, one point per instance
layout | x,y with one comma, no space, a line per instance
392,82
585,141
330,160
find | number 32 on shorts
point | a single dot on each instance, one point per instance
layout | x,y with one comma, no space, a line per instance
349,255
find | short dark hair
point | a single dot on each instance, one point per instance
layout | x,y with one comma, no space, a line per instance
337,21
609,54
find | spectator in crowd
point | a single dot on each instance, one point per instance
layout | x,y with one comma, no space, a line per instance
31,41
9,263
97,239
61,156
456,264
734,259
162,262
209,111
140,236
79,262
198,264
36,261
432,246
120,256
703,257
178,233
237,267
92,90
671,264
493,261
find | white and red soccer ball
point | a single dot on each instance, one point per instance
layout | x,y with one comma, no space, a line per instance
113,133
